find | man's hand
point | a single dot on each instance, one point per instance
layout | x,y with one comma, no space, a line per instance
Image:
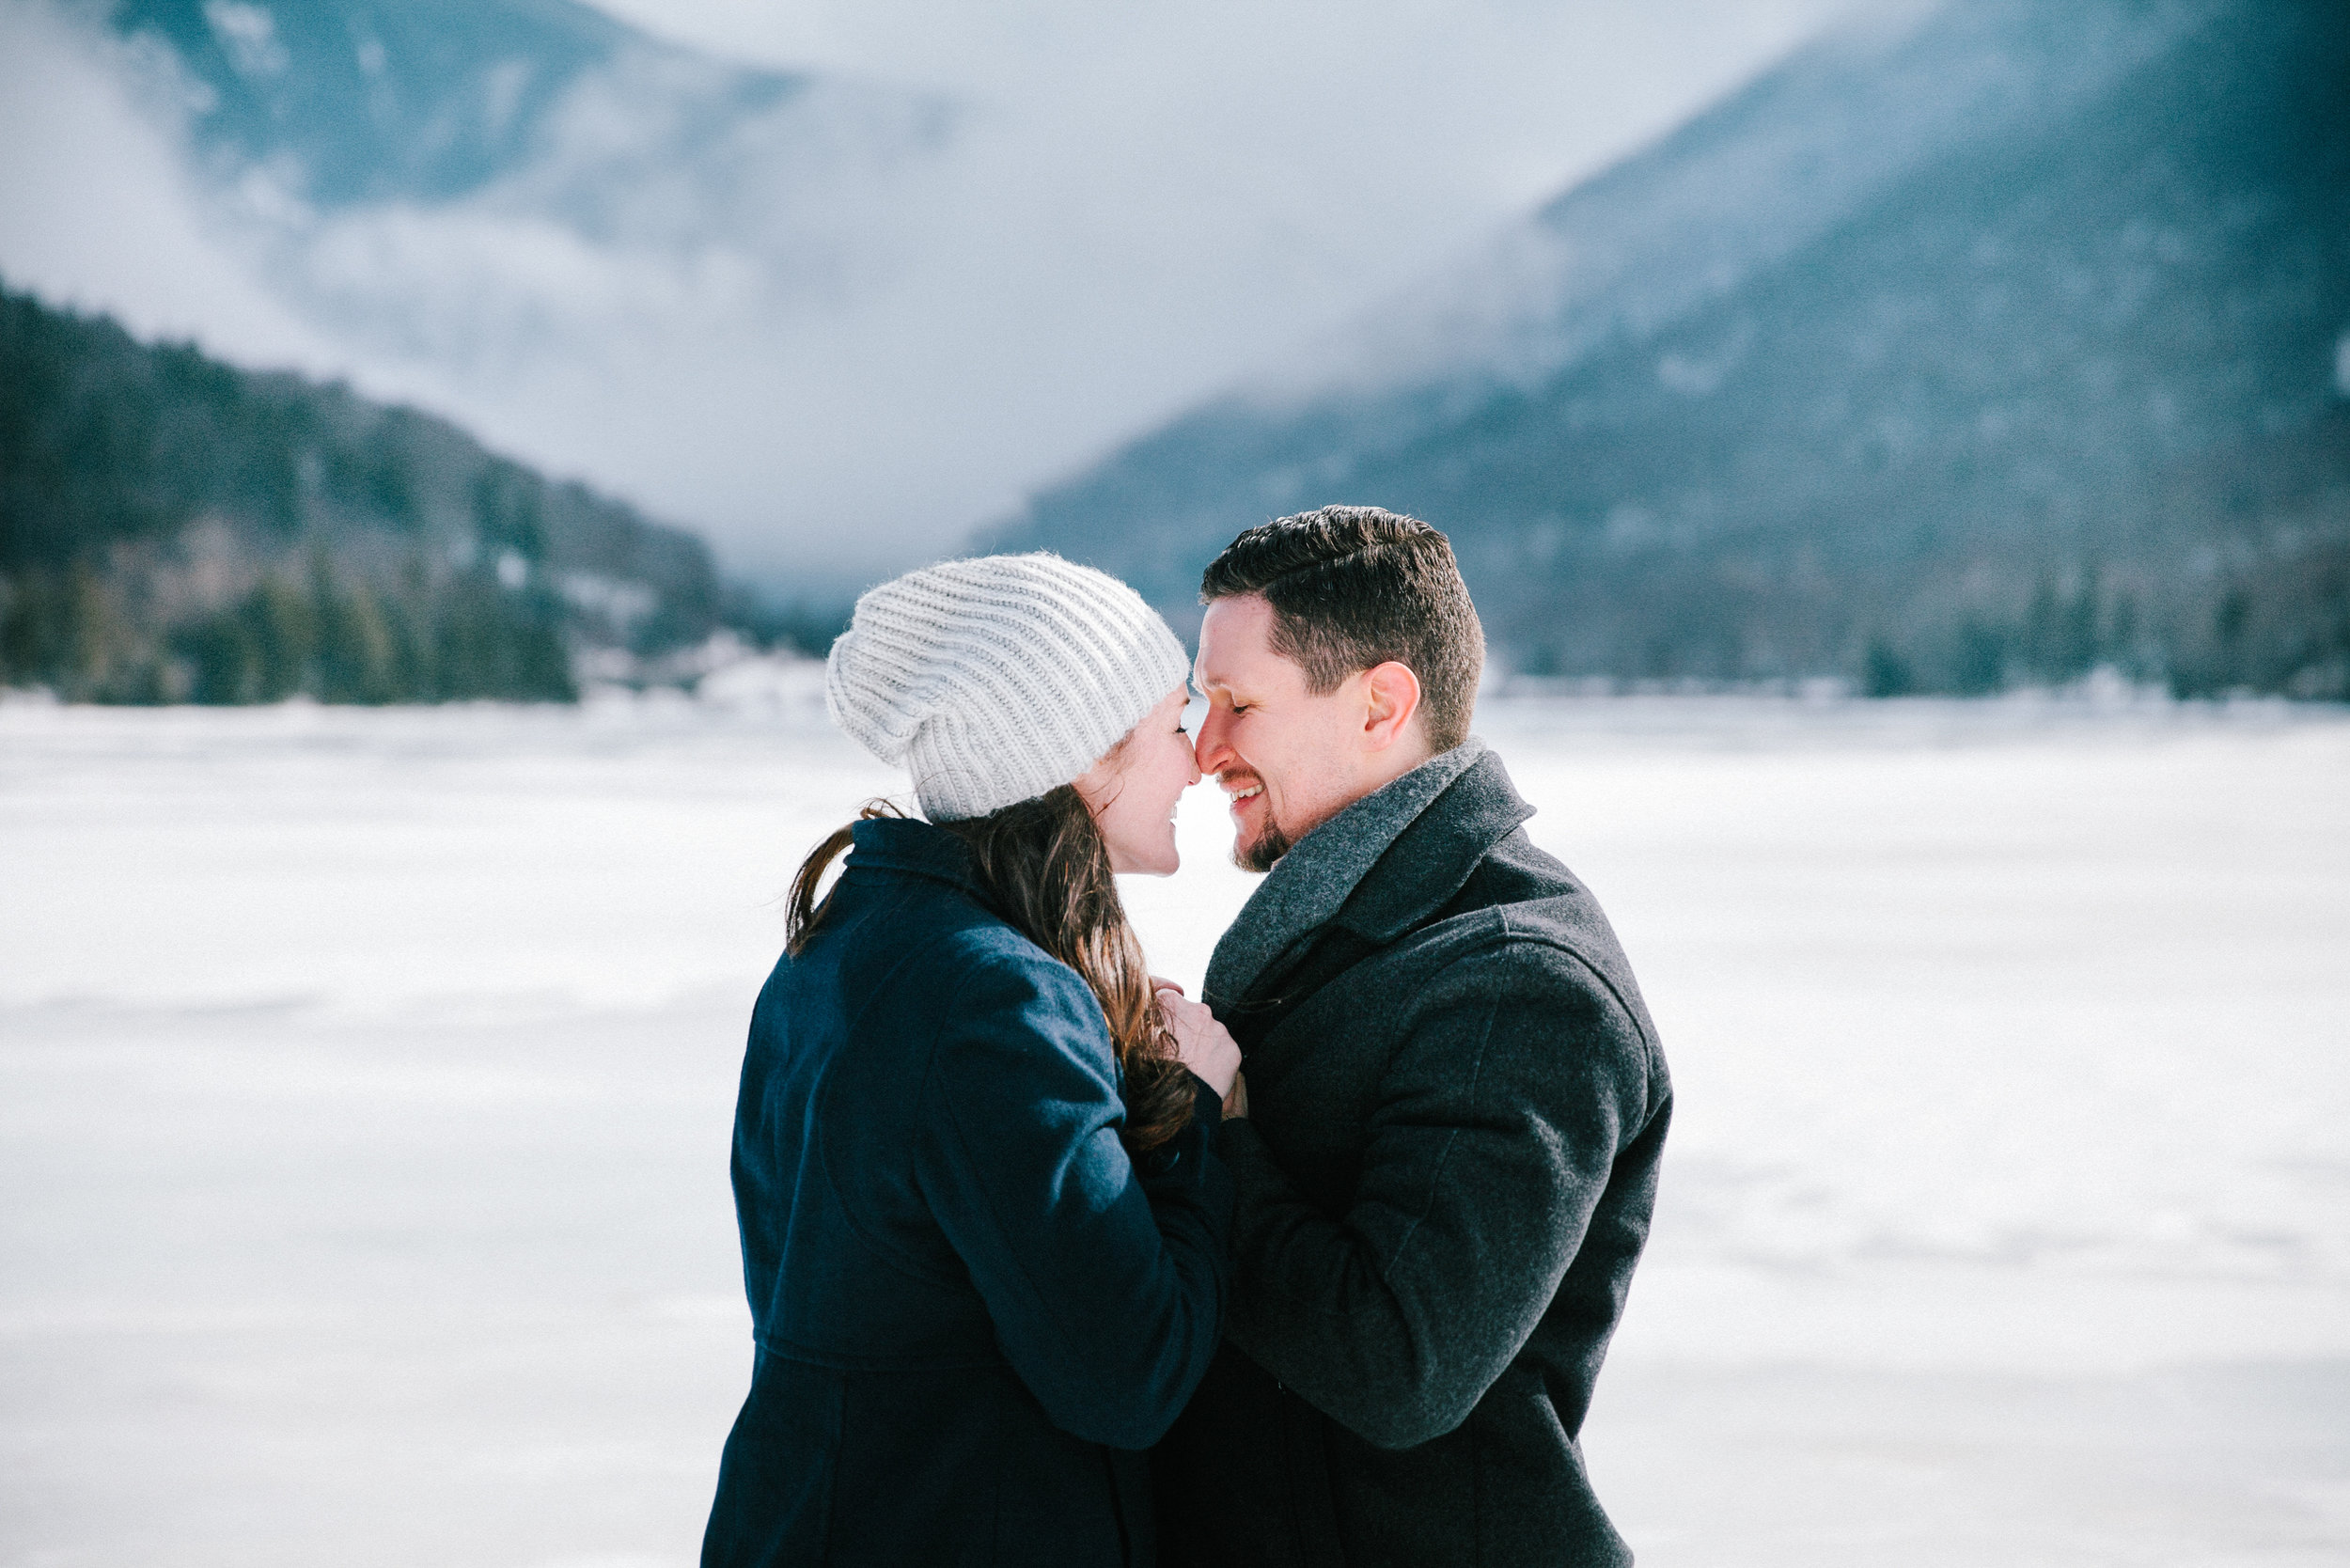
1201,1044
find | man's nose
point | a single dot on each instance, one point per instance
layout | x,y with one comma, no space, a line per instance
1212,750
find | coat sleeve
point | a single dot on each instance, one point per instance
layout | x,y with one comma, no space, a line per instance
1518,1082
1106,1284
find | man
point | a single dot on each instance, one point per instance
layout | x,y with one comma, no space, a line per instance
1455,1100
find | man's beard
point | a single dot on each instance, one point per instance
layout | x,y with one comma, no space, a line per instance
1268,846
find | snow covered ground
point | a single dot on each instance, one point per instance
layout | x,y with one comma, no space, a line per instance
365,1083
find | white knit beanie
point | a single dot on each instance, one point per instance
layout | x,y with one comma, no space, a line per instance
997,679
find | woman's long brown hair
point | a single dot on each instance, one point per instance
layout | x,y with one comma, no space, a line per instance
1045,868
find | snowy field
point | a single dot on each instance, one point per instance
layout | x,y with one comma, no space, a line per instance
366,1079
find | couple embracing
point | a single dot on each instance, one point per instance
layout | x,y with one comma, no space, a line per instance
1049,1263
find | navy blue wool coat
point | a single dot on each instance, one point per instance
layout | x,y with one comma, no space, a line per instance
970,1309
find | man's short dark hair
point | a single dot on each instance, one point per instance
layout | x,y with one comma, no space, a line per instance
1354,586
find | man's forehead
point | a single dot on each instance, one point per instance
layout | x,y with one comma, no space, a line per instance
1212,668
1234,636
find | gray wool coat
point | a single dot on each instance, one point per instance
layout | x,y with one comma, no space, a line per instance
1457,1104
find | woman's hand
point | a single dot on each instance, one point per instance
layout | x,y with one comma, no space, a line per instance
1201,1044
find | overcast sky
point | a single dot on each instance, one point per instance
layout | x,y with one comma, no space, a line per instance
1140,204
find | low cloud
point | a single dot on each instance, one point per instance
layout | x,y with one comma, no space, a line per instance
839,330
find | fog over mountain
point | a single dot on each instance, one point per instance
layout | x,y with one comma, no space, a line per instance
609,253
1980,346
834,282
543,136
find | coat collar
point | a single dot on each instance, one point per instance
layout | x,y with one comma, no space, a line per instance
910,846
1377,868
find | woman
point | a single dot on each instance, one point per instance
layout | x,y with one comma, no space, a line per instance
984,1221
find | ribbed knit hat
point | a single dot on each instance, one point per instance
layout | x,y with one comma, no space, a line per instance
997,679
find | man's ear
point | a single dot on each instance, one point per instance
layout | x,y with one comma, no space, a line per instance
1391,701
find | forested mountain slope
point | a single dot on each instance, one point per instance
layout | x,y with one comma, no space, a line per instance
174,528
1976,351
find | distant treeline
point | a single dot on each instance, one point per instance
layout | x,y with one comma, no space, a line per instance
176,529
309,632
2284,629
2227,574
2230,575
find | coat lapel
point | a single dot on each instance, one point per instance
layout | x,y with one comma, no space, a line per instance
1435,853
1316,878
1410,872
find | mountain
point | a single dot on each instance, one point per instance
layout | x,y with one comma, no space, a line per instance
1979,348
341,104
461,182
369,100
174,528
